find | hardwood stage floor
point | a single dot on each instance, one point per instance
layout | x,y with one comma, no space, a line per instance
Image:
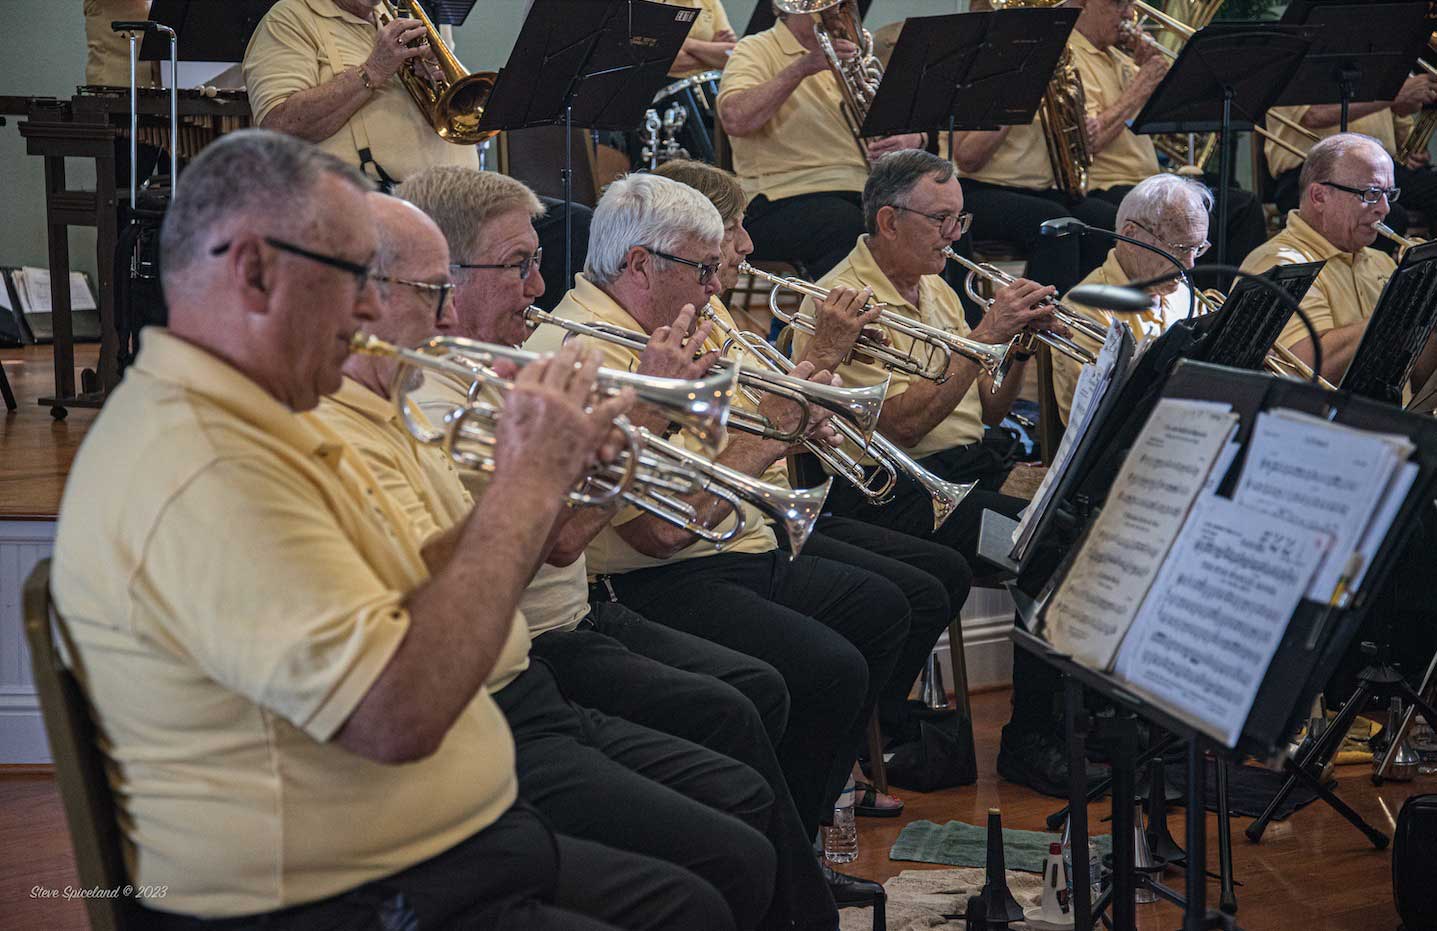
35,449
1312,872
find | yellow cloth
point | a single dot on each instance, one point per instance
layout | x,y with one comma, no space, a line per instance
1148,325
107,53
294,49
234,580
608,553
712,18
420,480
557,598
1021,159
1345,292
938,306
1129,158
806,146
1381,126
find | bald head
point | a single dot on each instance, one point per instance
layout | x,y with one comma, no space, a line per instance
1335,168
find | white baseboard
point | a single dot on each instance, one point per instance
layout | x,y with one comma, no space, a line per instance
987,619
22,729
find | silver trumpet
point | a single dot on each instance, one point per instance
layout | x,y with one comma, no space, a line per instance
940,344
889,456
859,406
1024,342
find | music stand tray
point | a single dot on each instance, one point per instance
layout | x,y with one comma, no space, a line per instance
1399,328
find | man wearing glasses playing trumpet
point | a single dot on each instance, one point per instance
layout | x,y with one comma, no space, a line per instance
1347,188
913,207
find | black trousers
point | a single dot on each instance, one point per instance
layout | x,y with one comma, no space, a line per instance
550,228
606,780
934,579
515,874
816,230
1419,192
1036,687
1013,215
624,665
833,632
1246,224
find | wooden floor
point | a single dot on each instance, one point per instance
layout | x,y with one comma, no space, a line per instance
1312,872
36,449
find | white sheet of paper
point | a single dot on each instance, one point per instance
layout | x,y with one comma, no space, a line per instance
4,295
1382,517
37,288
1207,631
1095,604
1219,469
1322,476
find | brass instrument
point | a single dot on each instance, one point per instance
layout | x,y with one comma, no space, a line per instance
1026,342
859,406
858,77
1422,128
650,474
453,102
941,344
1280,360
1192,151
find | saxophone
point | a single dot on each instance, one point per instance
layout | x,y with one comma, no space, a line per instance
858,77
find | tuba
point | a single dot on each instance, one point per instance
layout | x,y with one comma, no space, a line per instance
453,103
858,77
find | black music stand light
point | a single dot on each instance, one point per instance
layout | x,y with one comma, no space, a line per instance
969,71
1362,51
1226,75
595,64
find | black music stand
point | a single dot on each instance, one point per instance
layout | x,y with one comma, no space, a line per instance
1225,77
1398,329
969,71
592,63
205,31
1362,51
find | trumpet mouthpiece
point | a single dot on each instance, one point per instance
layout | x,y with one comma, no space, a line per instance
369,345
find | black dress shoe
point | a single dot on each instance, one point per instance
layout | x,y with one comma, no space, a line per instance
1039,761
851,890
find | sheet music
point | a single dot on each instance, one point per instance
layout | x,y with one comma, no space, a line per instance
1093,608
4,294
1322,476
1093,384
1207,631
1382,518
33,286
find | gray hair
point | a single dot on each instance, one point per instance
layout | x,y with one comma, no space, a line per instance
1325,155
250,173
646,210
1153,198
461,200
893,178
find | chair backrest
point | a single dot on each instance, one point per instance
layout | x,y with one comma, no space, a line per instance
1050,427
79,765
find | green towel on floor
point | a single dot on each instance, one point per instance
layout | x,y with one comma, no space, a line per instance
959,844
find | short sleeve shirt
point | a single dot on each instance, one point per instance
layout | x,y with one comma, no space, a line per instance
1380,125
1129,158
1021,159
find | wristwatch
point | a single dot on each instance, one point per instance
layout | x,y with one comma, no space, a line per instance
365,79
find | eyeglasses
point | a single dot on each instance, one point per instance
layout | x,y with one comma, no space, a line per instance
442,291
1177,248
1369,195
361,273
706,269
950,225
525,265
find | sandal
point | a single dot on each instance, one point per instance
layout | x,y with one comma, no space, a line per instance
870,803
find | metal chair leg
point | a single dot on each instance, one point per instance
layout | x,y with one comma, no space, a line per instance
960,667
876,767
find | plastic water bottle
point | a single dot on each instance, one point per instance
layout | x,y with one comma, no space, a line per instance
840,839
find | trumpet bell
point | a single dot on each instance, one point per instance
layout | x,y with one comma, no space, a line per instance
797,511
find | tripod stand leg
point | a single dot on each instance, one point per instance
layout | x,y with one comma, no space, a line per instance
1378,839
1100,788
1424,694
1228,901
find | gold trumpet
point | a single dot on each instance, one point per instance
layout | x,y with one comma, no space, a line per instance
454,101
1279,360
1025,341
941,345
859,406
651,474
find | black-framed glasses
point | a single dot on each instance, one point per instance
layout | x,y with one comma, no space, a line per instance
1177,248
1368,195
525,265
361,273
950,225
706,269
442,292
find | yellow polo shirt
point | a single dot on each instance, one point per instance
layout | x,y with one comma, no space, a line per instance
301,44
938,306
107,53
1147,326
1346,290
1384,126
608,554
1129,158
806,146
1021,159
557,598
712,18
233,578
